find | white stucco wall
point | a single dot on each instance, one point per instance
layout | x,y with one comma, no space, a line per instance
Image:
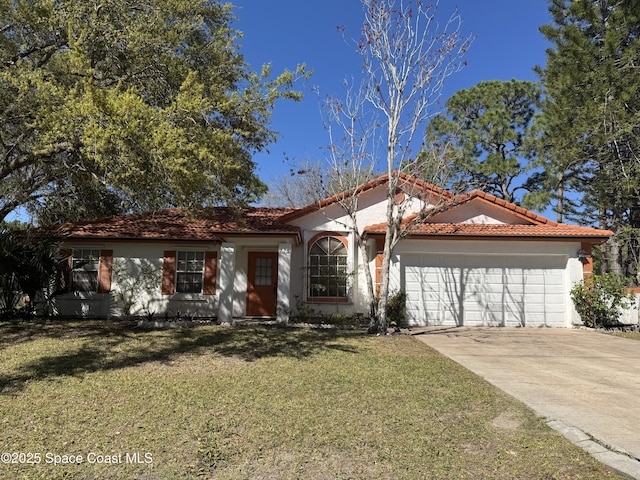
479,212
334,220
132,255
630,316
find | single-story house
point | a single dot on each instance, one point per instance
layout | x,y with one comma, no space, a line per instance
473,259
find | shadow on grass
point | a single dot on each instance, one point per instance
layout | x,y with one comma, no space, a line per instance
112,345
20,331
436,331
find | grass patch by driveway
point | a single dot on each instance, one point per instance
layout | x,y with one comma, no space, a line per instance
233,403
630,335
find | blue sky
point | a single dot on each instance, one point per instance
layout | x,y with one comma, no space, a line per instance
286,33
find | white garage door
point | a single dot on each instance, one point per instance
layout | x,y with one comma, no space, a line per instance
485,290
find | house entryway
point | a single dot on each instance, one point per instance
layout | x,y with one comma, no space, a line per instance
262,285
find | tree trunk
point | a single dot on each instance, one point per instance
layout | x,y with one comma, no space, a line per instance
560,205
373,310
614,248
393,225
381,314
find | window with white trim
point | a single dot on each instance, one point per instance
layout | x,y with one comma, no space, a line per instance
85,266
189,272
328,269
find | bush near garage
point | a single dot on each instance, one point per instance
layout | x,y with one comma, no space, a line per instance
396,309
600,299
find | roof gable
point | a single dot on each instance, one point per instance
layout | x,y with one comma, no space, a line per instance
412,186
483,208
480,215
371,204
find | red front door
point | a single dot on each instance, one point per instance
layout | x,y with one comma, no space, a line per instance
262,284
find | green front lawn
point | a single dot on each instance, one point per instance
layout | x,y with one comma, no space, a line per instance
233,403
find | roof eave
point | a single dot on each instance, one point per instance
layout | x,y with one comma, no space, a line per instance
218,238
83,238
594,240
234,234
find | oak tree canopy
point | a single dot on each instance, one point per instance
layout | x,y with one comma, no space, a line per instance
139,104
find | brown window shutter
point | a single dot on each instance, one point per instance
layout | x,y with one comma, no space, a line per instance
104,271
210,265
379,257
169,273
63,273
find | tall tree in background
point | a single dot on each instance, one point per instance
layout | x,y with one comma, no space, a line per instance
130,105
591,116
305,184
350,156
407,55
489,125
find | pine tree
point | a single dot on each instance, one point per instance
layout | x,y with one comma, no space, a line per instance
590,121
488,125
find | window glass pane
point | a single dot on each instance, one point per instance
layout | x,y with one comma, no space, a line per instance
84,270
85,281
323,243
189,272
189,283
328,268
263,271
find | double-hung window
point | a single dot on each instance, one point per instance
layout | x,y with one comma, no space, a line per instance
85,266
190,272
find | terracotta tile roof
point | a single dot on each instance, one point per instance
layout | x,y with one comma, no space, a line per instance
217,223
210,224
474,230
405,180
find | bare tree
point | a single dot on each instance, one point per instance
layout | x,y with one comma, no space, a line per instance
407,55
306,183
352,133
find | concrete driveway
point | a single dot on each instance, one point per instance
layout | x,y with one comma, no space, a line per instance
586,383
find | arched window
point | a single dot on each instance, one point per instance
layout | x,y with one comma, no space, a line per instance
328,269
